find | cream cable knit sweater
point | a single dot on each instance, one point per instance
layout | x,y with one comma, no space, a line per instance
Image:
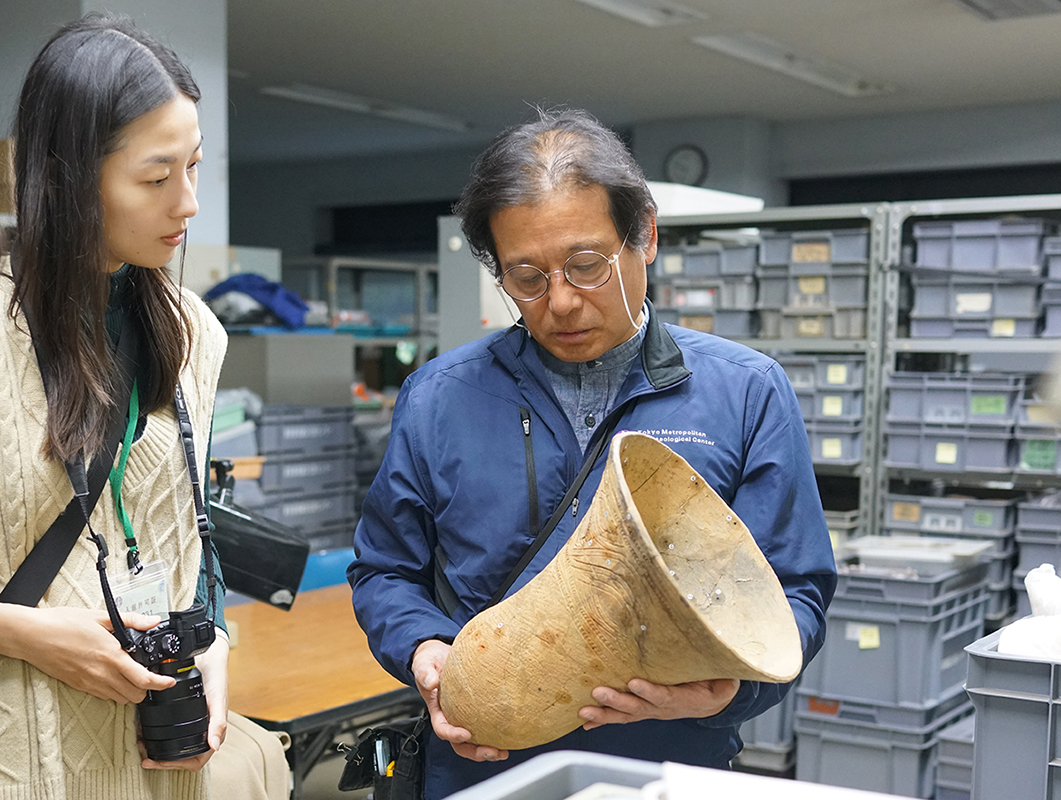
56,742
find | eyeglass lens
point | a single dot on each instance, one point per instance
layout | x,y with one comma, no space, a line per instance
584,270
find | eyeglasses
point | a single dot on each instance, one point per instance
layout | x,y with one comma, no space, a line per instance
586,269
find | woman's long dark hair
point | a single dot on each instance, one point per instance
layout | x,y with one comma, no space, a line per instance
93,78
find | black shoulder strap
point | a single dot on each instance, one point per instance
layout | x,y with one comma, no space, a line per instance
565,503
36,573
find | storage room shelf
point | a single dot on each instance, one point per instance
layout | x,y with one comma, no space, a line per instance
986,480
966,346
807,345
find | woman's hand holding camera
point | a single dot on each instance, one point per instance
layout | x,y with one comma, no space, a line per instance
428,661
77,646
214,666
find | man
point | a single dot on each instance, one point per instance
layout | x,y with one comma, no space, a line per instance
561,214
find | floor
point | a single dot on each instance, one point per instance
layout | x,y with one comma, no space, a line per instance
323,780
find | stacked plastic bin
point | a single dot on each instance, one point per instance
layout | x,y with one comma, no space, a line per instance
1038,542
888,679
942,422
954,770
993,285
309,477
813,284
829,389
1037,436
770,739
1018,738
966,518
708,287
1051,296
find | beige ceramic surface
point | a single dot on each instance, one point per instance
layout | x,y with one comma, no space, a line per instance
660,581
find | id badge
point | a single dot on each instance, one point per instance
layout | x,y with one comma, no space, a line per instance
146,593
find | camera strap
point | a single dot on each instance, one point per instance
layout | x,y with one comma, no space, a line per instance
36,573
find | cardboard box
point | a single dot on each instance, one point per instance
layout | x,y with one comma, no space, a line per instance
7,176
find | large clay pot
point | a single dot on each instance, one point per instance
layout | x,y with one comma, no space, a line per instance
660,581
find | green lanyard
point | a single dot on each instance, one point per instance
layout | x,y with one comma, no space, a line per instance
118,474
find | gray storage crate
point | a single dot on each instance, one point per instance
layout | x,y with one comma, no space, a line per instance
235,442
965,516
838,287
806,249
1037,437
304,429
949,448
560,774
1018,738
732,324
1036,547
1024,605
802,371
770,323
707,295
712,259
309,474
873,758
841,372
971,298
999,601
773,288
903,652
955,328
1052,256
834,323
954,766
771,731
842,525
882,714
1051,320
310,513
835,442
1036,516
981,244
837,405
947,399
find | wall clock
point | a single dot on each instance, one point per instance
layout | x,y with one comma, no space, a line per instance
686,164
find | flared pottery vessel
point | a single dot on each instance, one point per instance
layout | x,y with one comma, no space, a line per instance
660,581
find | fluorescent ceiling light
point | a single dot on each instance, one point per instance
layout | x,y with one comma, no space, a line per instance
781,58
1009,9
304,93
650,13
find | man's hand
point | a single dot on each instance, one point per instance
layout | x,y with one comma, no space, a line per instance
645,700
428,661
214,666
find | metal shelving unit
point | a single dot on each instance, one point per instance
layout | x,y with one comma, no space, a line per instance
1036,352
422,332
875,219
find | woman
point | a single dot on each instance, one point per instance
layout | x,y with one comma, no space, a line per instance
107,147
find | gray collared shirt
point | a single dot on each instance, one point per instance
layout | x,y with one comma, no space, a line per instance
587,389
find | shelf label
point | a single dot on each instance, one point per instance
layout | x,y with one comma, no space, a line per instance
1005,328
867,636
819,705
836,374
673,264
811,253
988,404
972,303
705,323
1039,454
940,521
811,284
984,519
906,512
810,326
1038,412
832,448
704,298
946,452
832,405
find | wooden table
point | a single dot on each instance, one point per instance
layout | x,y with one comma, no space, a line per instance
309,672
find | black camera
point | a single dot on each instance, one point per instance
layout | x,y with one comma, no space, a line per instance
174,721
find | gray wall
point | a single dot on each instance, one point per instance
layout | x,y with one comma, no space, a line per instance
196,29
277,205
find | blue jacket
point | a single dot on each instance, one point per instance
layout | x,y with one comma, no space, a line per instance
455,478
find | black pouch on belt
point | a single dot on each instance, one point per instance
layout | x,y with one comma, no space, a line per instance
388,758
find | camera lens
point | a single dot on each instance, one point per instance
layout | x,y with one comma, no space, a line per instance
174,721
